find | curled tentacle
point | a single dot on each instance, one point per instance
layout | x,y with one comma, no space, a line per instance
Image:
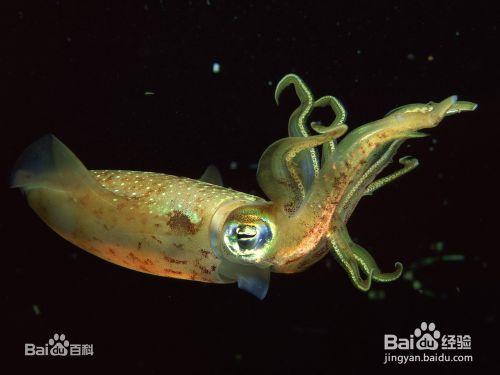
348,262
340,246
277,173
352,257
340,116
307,160
368,264
301,89
338,110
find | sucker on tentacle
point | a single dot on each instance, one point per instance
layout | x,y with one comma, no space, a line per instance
198,230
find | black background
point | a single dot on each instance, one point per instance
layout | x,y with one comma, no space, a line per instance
80,70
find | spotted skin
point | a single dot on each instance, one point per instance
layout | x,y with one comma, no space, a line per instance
149,222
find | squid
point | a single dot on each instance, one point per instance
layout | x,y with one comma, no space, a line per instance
199,230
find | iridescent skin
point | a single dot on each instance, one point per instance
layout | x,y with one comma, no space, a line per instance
183,228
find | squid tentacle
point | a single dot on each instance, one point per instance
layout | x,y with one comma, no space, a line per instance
357,149
277,172
337,108
374,167
308,160
348,262
409,163
340,117
368,264
461,106
353,256
340,246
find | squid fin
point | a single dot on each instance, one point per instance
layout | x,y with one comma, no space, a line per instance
48,163
212,176
252,279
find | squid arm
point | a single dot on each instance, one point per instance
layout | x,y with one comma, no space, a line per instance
365,186
307,159
340,117
352,257
358,158
278,174
409,163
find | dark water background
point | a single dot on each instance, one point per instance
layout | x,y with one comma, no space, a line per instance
81,69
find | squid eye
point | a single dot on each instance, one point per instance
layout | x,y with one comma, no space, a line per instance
245,239
246,236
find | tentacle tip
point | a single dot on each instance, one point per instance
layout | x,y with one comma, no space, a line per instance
415,135
399,268
365,285
408,160
317,127
369,280
461,106
277,94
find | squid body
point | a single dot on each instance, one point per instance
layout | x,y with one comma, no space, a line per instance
198,230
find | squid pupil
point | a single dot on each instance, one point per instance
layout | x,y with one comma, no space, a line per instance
246,232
